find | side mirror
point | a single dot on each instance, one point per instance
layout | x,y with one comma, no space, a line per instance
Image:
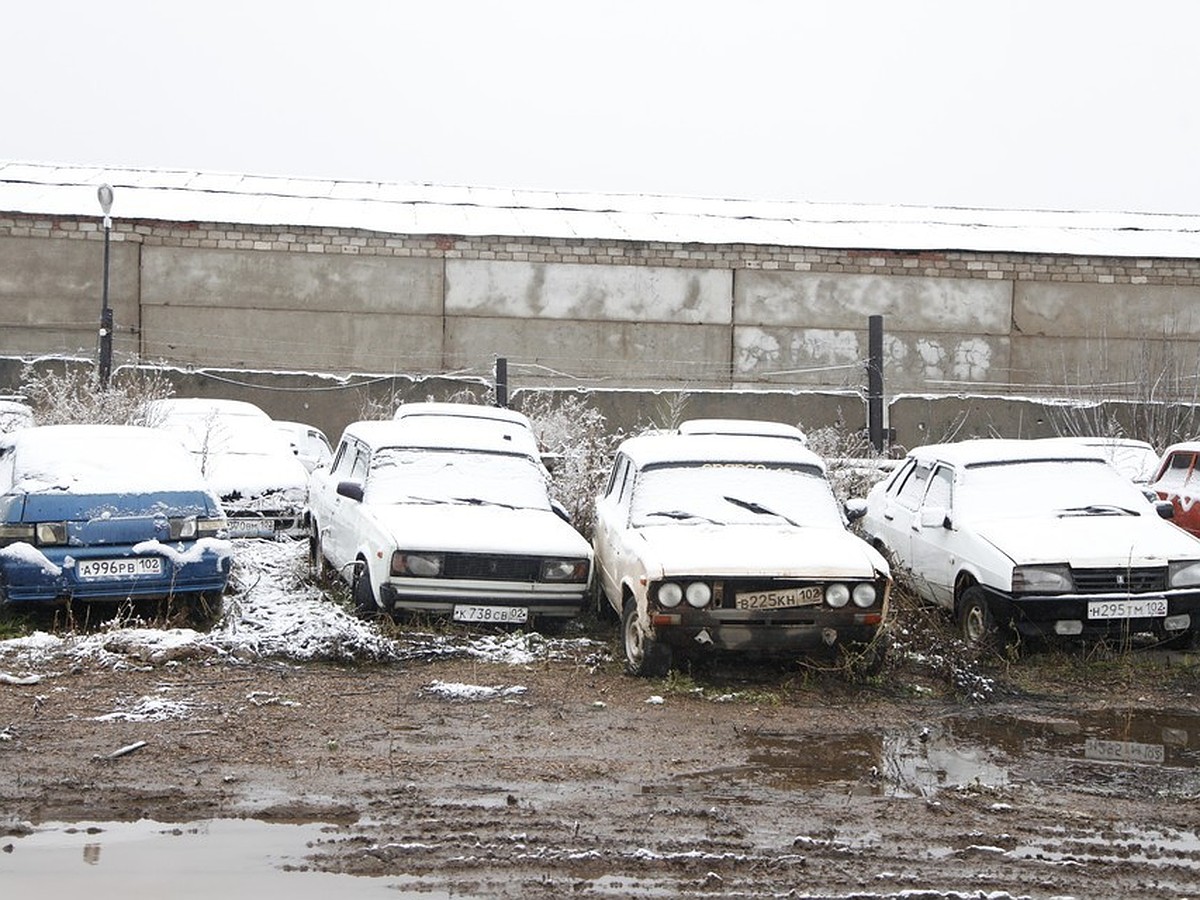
855,509
560,511
1165,509
935,517
351,489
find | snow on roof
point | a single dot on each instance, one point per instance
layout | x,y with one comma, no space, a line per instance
444,433
723,449
182,196
1000,450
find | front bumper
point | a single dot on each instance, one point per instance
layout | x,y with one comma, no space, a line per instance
780,631
440,596
1067,614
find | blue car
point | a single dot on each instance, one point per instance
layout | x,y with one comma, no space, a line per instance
107,513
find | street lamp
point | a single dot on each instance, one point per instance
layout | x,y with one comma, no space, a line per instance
105,194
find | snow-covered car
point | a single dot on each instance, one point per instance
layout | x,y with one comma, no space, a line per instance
507,424
246,459
756,427
1177,480
106,513
1036,538
446,517
715,542
1136,460
14,414
308,443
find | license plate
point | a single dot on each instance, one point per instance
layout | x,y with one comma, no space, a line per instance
239,527
506,615
132,567
801,596
1154,608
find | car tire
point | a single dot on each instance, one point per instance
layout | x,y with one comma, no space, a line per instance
644,656
977,625
365,606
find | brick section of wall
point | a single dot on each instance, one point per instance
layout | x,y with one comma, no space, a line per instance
927,264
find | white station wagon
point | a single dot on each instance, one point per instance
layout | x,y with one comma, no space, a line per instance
1037,538
731,542
446,516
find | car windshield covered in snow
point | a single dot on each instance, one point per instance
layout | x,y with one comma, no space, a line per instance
408,475
733,493
1052,487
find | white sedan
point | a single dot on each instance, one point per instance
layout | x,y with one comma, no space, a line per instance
446,517
715,542
1036,538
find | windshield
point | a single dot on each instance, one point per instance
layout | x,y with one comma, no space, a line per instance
1047,487
730,493
456,476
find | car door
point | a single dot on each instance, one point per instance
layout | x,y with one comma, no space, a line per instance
900,504
933,538
337,529
612,518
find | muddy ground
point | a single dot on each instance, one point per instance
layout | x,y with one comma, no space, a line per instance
1067,775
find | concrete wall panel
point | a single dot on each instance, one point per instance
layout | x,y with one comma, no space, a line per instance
826,356
257,338
649,350
587,292
1088,367
846,301
1107,310
181,276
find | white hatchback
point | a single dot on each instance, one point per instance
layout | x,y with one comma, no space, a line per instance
1036,538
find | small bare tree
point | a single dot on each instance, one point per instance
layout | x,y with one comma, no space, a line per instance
64,392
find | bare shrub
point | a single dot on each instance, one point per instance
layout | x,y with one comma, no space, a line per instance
576,439
66,392
853,465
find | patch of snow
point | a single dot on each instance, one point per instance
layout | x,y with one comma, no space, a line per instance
149,709
458,691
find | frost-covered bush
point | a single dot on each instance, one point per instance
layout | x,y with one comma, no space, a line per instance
853,465
64,392
580,448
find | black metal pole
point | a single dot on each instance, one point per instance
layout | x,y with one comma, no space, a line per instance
106,317
502,382
875,382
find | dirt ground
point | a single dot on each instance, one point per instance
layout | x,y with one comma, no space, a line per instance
572,779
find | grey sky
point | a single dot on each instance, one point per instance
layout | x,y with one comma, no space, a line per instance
1028,104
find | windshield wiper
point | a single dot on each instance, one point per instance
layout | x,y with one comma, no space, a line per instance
479,501
681,514
1097,509
760,509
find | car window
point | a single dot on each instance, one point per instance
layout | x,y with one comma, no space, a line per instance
912,488
358,468
1051,487
474,478
341,462
1179,469
940,488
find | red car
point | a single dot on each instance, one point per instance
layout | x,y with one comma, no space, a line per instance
1178,480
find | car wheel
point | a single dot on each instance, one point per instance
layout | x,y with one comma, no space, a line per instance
365,606
644,656
977,625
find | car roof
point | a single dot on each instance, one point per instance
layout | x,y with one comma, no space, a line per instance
998,450
441,433
1101,441
1183,446
651,449
463,411
758,427
204,406
83,453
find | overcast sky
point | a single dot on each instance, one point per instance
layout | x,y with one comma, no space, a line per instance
1025,104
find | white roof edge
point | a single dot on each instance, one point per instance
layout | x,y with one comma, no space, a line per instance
282,201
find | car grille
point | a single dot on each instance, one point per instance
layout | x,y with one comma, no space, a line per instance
1120,580
486,567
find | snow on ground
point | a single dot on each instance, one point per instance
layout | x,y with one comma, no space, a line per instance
273,610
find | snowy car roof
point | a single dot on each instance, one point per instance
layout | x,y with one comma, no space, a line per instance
98,459
703,449
758,427
439,433
463,410
999,450
203,406
192,196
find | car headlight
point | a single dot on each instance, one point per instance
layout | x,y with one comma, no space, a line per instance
1042,580
422,565
670,594
210,527
698,594
564,570
49,533
1184,573
11,534
837,595
863,595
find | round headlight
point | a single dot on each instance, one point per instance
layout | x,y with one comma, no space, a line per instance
698,594
864,595
837,595
670,594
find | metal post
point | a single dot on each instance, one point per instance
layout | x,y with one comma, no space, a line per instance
105,195
502,382
875,382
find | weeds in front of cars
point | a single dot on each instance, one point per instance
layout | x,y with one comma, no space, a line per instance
66,392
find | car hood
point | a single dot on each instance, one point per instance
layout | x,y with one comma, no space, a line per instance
249,475
479,529
1090,541
750,550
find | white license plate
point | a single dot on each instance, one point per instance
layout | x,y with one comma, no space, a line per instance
1151,608
133,567
801,596
237,527
506,615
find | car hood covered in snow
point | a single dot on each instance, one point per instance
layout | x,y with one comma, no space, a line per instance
735,550
473,528
1095,541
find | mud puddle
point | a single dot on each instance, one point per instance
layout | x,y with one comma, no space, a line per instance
213,858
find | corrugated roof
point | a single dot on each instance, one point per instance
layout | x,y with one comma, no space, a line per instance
257,200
